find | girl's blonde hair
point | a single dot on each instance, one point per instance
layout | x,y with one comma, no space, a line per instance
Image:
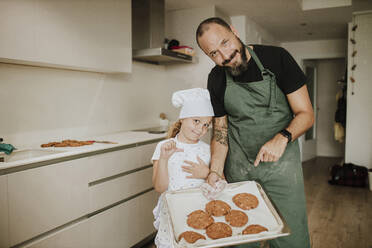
174,129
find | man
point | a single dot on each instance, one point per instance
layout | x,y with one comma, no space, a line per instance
261,107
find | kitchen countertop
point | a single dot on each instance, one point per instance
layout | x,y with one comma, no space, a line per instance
123,139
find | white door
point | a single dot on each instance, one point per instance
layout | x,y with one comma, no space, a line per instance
308,140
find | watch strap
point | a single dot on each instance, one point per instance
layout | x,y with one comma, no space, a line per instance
286,134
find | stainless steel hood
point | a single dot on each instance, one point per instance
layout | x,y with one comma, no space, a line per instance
148,34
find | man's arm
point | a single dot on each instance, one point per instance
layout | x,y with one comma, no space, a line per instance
300,104
219,148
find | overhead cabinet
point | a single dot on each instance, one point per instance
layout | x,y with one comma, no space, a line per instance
88,35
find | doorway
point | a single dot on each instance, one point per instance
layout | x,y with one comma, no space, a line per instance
323,85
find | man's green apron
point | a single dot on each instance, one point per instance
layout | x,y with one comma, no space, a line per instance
257,111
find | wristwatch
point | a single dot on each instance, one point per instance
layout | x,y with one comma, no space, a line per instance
286,134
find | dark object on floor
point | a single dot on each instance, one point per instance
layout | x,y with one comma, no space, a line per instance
348,175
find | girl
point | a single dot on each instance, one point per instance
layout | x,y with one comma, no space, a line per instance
183,146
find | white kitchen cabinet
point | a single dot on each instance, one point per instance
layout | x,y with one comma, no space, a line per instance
88,35
4,232
117,189
117,175
102,200
146,152
43,198
109,164
74,236
125,224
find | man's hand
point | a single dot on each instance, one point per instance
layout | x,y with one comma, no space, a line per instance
272,150
197,170
168,148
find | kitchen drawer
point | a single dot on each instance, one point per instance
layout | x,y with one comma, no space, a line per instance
113,163
74,236
4,232
114,190
125,224
145,153
44,198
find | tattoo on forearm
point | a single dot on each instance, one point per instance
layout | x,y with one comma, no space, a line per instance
220,133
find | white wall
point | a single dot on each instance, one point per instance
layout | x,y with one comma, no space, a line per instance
239,23
358,148
252,33
329,71
318,49
182,24
40,104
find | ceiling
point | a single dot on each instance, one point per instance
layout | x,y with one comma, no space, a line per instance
283,18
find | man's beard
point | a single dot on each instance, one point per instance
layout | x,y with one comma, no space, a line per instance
238,70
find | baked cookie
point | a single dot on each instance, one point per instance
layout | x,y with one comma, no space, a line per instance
219,230
190,236
50,144
199,219
217,208
252,229
60,144
236,218
245,201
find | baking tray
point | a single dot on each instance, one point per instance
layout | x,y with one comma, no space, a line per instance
182,202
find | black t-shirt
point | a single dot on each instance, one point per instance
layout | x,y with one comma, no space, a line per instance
288,74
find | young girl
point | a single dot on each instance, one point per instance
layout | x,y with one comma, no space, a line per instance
182,160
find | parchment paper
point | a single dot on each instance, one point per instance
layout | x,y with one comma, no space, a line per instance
183,202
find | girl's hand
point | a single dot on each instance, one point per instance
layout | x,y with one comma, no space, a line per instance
197,170
168,148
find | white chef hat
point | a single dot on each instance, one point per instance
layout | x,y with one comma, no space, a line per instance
194,102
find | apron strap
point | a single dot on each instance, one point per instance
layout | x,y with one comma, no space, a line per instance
266,74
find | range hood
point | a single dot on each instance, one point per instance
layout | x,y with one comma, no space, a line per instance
148,34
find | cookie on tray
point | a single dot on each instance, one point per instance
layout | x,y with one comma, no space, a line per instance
190,236
219,230
217,208
253,229
236,218
245,201
199,219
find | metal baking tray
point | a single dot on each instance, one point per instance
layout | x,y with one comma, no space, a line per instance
182,202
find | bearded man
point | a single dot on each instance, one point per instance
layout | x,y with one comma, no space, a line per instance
261,107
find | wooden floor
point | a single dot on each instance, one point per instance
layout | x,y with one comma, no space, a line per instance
339,217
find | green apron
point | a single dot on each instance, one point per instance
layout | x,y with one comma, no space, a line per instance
257,111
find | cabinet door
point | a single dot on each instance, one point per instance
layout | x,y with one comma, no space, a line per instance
91,35
124,225
4,233
47,197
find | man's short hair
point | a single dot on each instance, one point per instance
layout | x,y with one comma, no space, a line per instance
204,26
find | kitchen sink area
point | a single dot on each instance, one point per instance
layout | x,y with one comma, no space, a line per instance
25,154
